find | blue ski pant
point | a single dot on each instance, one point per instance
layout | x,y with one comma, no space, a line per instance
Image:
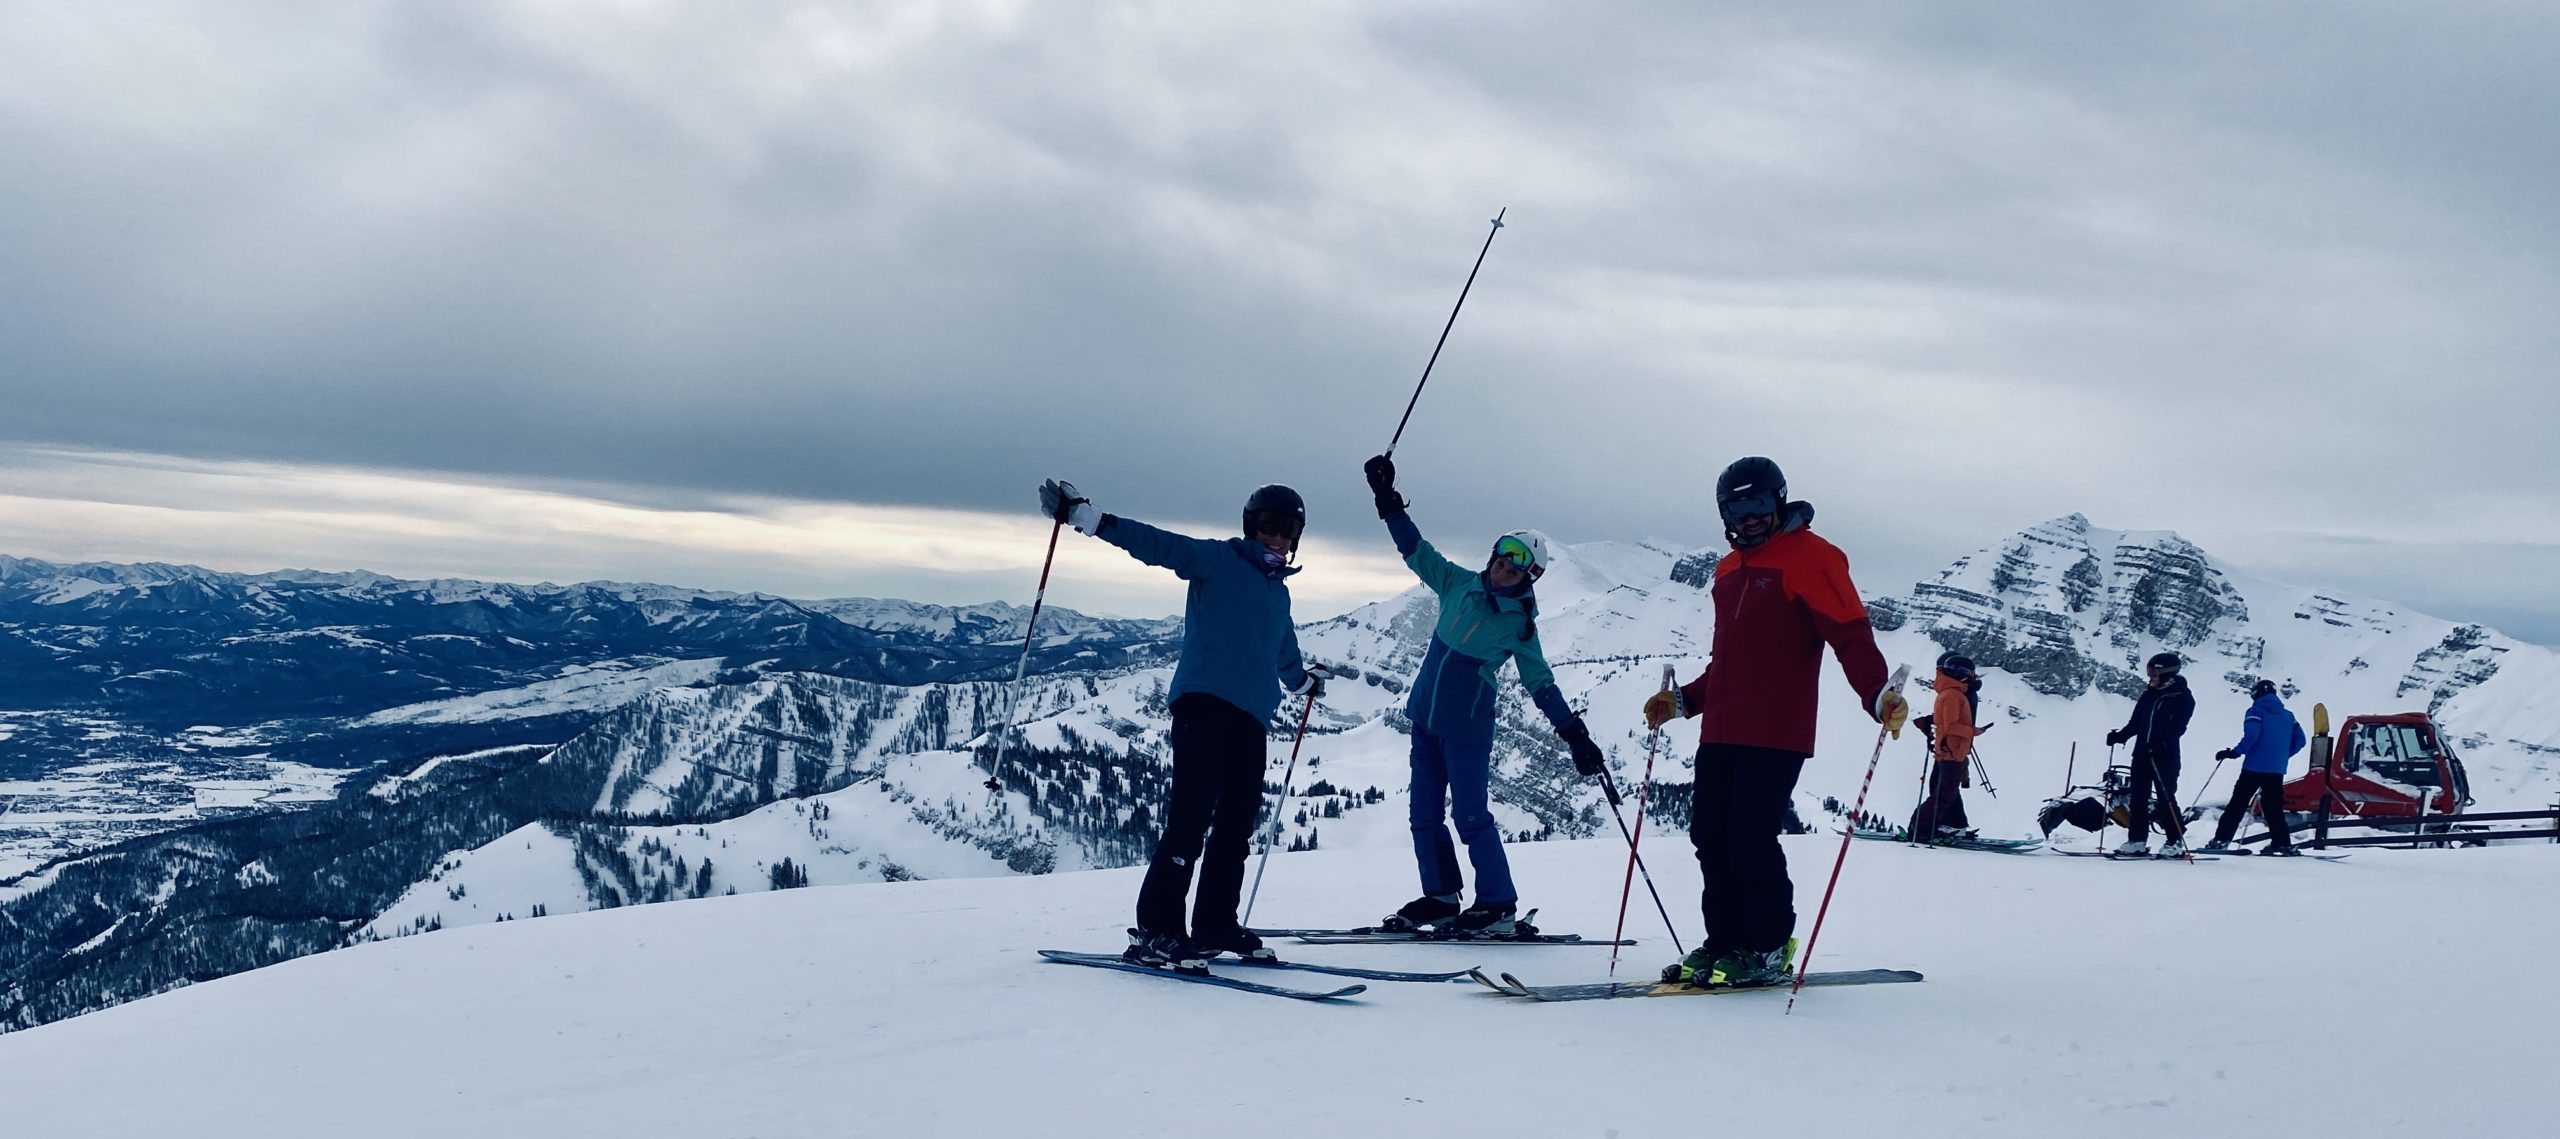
1451,778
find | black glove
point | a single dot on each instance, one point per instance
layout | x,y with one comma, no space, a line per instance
2226,753
1313,686
1587,759
1928,726
1382,483
2117,736
1058,500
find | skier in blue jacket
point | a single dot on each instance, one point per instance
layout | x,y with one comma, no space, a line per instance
2269,737
1238,650
1487,616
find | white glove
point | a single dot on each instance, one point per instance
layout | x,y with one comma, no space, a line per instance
1086,518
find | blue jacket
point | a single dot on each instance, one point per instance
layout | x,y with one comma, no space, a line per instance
1237,641
2270,738
1478,630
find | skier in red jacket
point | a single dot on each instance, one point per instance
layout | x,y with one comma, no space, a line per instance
1780,596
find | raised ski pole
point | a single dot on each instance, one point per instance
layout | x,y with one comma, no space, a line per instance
1893,685
1635,837
1444,331
1272,839
1013,697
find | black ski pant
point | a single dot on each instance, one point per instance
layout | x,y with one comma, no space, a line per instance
1218,755
2147,772
1945,805
2268,786
1736,810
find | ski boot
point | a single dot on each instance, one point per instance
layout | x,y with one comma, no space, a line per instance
2217,846
1164,951
1493,921
2285,851
2174,848
2131,850
1231,939
1746,968
1421,914
1957,834
1696,969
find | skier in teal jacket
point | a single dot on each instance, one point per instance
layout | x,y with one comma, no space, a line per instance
1487,616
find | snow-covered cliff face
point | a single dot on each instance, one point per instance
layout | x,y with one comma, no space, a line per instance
2068,608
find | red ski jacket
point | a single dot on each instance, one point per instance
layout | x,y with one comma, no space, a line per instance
1777,604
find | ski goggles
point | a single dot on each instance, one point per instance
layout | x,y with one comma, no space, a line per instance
1748,505
1516,552
1280,522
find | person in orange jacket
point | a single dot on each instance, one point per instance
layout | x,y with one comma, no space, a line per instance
1781,596
1950,725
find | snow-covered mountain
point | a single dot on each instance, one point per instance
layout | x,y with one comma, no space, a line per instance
137,698
747,782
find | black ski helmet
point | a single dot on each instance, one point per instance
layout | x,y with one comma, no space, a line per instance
2262,688
1956,664
2163,664
1749,487
1277,499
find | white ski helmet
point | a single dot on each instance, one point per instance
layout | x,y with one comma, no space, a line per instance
1511,545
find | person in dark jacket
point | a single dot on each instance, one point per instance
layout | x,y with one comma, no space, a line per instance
2159,719
1487,616
1239,649
1780,597
2269,738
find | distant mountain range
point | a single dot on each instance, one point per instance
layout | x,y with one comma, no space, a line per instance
759,768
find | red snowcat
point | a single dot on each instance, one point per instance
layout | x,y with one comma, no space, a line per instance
2380,767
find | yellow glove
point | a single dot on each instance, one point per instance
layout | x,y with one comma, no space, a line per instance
1663,707
1892,711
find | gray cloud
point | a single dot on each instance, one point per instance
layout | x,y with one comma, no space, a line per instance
2232,272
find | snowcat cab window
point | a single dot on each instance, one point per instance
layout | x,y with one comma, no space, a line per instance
2395,753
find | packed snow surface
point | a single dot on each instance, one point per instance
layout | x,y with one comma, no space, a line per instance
2394,993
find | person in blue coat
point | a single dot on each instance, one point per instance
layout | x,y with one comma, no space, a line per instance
1239,649
2269,737
1487,616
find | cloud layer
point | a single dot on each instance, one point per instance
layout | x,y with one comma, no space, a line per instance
2240,273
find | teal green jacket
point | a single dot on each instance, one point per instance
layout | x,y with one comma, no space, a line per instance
1478,630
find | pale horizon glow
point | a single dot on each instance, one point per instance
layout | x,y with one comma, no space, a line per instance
68,505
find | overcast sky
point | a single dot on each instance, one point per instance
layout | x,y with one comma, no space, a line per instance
808,298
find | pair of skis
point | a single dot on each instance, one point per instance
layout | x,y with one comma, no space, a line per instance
1992,845
1511,986
1114,961
1376,935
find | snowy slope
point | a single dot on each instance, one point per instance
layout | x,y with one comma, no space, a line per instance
918,1009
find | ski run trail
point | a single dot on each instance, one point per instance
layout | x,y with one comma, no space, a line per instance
2394,993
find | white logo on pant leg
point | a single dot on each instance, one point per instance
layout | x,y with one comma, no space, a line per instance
1179,860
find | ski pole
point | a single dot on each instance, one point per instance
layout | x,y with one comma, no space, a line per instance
1984,770
1928,765
1013,698
2198,802
1894,686
1610,786
1272,839
1644,793
1444,331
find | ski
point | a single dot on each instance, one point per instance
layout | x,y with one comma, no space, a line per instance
2237,852
1347,971
2113,857
1391,937
1609,990
1992,845
1477,975
1113,961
